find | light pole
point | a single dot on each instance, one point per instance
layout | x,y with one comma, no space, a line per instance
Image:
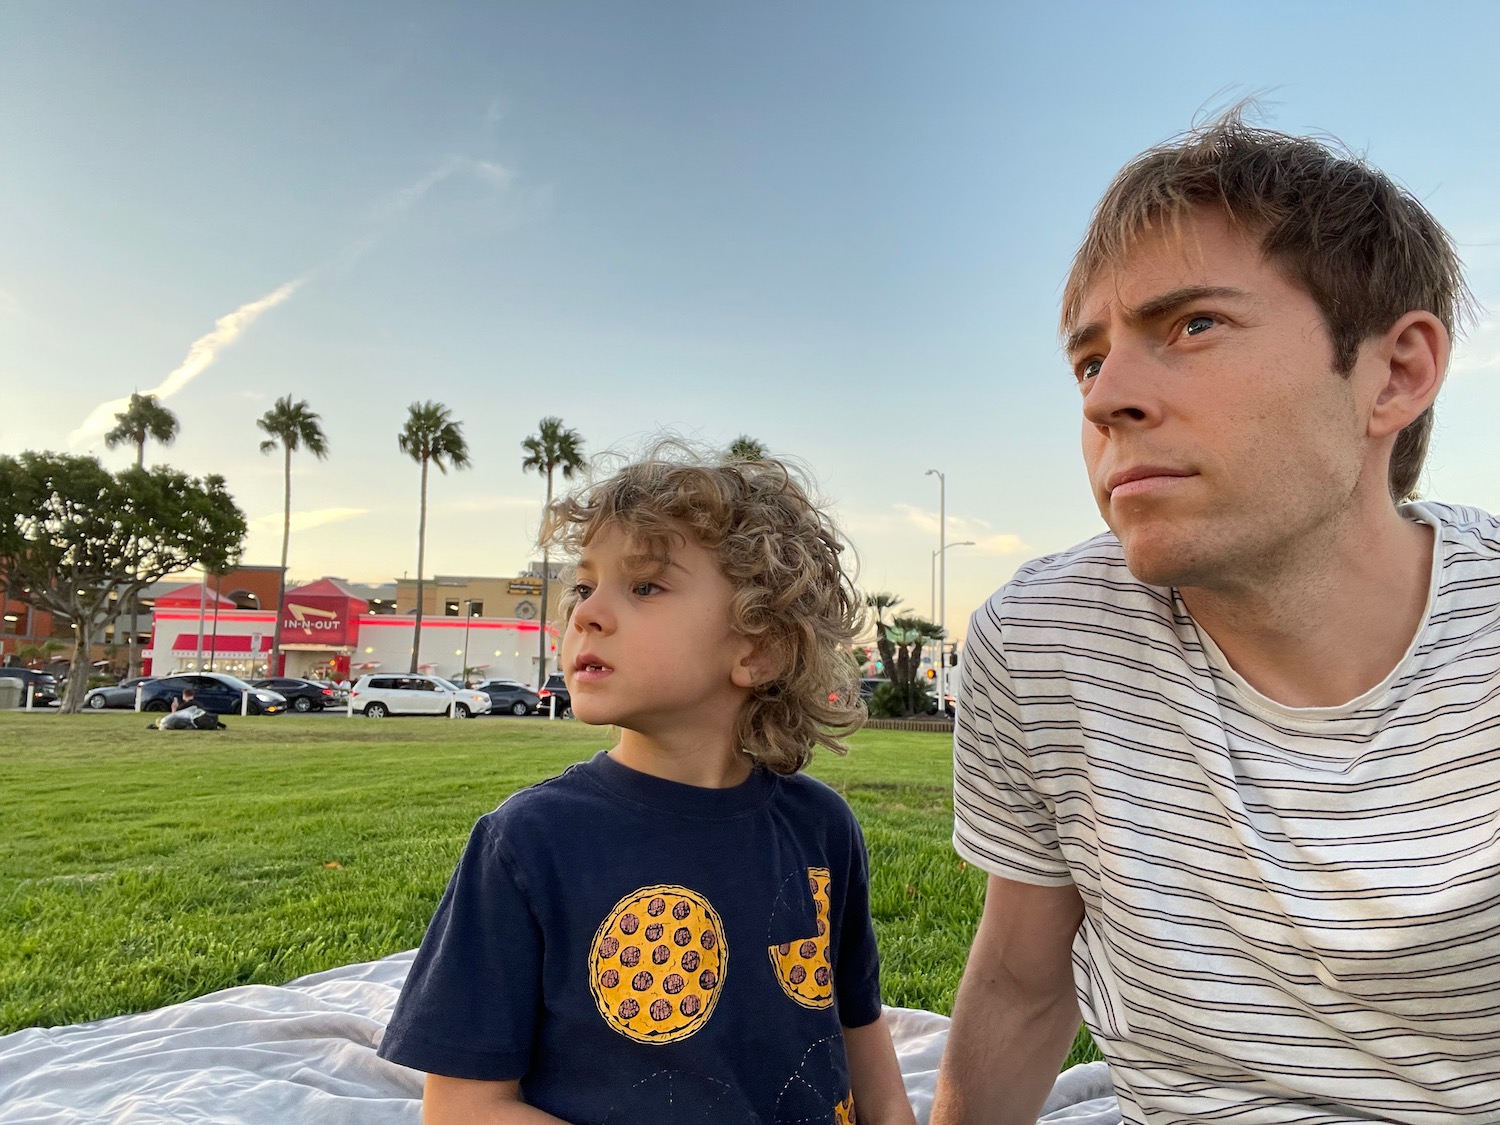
942,534
935,554
468,620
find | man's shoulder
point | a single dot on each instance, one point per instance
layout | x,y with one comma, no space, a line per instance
1474,531
1084,583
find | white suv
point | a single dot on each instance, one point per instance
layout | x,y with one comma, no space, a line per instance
391,693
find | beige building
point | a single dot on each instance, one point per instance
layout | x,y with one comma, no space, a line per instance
448,595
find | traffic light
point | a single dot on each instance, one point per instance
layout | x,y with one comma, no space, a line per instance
932,673
950,654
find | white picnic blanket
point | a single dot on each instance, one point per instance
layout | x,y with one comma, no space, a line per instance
305,1052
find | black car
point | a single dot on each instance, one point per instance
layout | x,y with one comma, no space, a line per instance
121,695
508,697
301,695
555,688
213,691
43,685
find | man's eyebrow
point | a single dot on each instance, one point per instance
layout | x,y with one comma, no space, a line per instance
1154,309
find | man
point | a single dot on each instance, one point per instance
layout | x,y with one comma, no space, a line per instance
1234,768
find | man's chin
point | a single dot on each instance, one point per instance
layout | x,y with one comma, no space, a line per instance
1159,561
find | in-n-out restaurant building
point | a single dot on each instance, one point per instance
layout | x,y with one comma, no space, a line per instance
328,633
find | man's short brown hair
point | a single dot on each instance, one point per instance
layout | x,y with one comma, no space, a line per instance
1364,249
793,594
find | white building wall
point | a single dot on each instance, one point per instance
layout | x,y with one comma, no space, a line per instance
507,647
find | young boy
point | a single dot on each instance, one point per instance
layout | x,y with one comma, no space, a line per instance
677,930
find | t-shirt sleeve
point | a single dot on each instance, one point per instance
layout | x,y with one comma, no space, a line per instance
469,1008
1001,823
857,981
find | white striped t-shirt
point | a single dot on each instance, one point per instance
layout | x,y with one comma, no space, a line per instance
1291,915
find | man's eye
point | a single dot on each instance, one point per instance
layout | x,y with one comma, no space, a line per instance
1197,324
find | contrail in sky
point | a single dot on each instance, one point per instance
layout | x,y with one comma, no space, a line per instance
229,328
200,356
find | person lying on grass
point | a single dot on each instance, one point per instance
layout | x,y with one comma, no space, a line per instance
683,920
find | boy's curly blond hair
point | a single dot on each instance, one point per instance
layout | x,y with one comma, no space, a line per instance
781,555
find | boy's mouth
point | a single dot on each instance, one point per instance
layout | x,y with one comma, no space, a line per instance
589,665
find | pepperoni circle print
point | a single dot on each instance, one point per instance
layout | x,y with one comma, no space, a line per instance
675,996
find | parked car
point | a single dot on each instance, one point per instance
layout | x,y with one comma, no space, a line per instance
868,684
43,685
381,694
555,688
301,695
509,697
121,695
213,691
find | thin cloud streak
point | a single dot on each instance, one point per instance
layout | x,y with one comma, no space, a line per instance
227,329
201,355
305,521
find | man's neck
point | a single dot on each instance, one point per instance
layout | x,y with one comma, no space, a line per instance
1322,631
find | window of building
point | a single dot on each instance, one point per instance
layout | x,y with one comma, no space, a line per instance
476,608
450,607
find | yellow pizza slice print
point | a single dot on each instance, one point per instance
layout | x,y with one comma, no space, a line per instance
803,967
843,1113
656,967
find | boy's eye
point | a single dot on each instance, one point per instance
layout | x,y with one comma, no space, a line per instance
581,591
644,589
1198,324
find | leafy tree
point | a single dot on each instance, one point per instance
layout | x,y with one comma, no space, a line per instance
553,447
292,426
880,603
144,419
430,437
74,536
745,448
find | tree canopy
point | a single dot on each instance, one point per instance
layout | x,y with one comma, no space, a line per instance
79,540
745,448
145,419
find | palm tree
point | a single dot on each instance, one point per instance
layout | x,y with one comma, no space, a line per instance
745,448
551,448
292,426
145,418
430,436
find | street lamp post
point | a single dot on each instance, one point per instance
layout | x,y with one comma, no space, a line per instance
940,557
463,673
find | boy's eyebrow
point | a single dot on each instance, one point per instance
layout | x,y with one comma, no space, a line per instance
1153,309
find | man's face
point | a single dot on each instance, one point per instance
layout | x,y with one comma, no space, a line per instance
1217,435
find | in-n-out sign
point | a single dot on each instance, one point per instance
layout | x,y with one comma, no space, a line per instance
306,617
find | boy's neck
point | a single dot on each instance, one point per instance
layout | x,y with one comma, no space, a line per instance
688,762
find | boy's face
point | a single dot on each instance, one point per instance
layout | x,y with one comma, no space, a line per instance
1217,434
654,652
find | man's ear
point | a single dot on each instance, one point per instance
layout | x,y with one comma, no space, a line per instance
1412,360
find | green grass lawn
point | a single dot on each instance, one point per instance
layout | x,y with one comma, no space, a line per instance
142,868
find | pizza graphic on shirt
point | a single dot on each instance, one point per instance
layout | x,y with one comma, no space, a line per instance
803,967
657,963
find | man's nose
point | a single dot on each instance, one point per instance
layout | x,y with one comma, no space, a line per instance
1124,391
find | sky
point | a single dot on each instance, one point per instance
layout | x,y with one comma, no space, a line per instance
840,229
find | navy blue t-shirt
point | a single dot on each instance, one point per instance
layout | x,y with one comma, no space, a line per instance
641,952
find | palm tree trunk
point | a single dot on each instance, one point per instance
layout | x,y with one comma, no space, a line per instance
541,642
416,636
286,537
